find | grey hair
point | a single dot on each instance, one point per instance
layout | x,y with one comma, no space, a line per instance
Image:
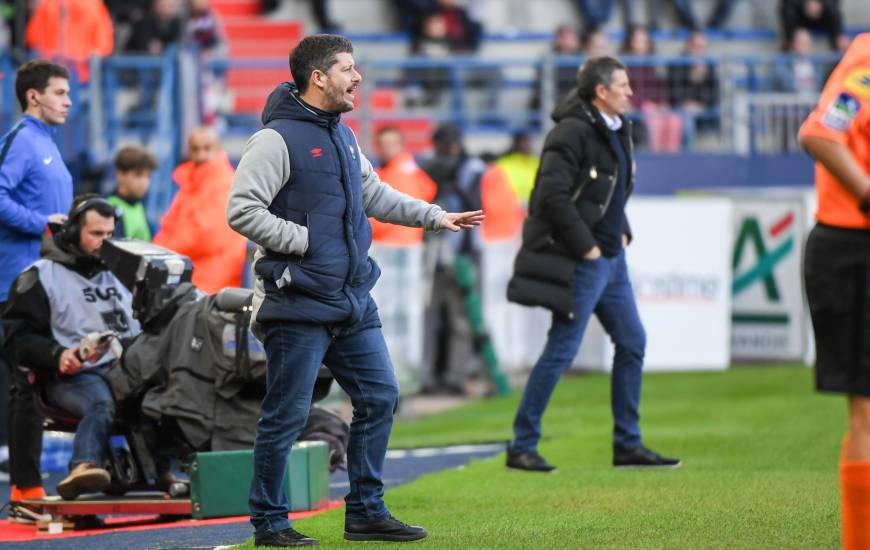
594,72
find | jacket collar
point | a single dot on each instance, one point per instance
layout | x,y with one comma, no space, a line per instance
284,103
71,257
31,120
576,107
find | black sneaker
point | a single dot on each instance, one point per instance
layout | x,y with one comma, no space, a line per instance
18,513
529,461
641,457
286,538
386,529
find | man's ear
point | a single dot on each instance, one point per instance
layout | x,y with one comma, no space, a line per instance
317,78
600,90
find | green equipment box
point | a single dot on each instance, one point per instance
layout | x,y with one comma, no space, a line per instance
220,481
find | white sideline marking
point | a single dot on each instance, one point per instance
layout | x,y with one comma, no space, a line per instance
346,484
441,451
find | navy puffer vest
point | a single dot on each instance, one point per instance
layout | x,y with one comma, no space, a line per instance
330,283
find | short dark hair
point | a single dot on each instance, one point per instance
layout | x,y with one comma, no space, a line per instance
86,202
134,159
316,52
447,133
594,72
34,75
588,34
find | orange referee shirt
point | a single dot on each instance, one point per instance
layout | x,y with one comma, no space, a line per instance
843,115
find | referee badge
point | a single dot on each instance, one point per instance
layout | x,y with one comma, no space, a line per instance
841,112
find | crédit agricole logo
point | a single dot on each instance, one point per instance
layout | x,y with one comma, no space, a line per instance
769,248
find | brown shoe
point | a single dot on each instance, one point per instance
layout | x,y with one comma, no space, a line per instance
84,478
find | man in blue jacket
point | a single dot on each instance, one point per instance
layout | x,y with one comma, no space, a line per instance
303,192
35,190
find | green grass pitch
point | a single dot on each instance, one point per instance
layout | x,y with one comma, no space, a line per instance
759,447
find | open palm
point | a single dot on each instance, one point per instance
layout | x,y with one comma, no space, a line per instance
456,221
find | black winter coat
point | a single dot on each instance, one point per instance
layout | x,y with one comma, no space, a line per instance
573,189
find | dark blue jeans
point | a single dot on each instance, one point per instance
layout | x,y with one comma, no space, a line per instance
602,287
88,396
596,13
361,365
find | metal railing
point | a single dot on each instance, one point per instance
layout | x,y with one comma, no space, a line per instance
510,95
760,100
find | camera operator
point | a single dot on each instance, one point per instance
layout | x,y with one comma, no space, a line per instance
55,307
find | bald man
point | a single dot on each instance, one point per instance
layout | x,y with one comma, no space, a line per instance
202,145
195,224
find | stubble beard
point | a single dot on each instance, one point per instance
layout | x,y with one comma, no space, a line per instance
339,104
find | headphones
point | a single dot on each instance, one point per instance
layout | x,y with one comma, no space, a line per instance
69,231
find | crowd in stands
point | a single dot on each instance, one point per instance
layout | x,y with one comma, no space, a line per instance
670,98
76,29
673,97
149,26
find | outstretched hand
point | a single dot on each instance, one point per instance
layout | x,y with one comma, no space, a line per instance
457,221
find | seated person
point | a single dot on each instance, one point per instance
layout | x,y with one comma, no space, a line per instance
795,71
655,125
693,87
56,302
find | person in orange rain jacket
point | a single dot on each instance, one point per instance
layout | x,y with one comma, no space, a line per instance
505,212
195,224
71,30
402,173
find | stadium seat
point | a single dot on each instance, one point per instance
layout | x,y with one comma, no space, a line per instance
257,37
417,131
251,101
232,8
384,99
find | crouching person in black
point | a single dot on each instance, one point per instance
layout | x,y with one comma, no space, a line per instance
53,305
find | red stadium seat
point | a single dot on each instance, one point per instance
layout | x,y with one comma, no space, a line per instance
269,78
233,8
255,37
417,131
249,102
384,99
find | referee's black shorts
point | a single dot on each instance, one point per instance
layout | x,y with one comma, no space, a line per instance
837,275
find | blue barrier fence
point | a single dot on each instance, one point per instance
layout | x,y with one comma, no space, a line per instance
141,99
518,94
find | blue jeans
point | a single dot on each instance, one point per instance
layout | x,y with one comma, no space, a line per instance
361,365
87,396
600,286
596,13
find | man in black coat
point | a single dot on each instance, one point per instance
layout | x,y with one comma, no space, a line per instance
572,260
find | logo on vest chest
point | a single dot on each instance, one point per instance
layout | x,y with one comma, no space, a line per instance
102,294
316,152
